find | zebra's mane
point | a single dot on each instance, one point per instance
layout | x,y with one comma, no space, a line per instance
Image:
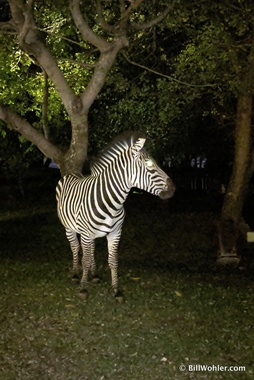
108,154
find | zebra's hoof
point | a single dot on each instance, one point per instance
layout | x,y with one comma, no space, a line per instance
83,294
119,297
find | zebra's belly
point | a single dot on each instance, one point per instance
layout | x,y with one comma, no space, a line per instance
68,223
93,223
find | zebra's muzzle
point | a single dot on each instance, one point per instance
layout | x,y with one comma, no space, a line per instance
169,191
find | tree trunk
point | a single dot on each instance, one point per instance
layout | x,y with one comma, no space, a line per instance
76,155
44,108
231,226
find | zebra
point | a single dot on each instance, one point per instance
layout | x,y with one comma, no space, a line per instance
91,206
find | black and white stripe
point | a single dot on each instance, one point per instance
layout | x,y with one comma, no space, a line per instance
92,206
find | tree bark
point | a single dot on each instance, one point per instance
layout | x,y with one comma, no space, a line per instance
231,225
44,108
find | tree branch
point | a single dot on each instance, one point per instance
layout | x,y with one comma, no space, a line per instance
125,13
164,75
7,26
97,81
14,121
28,23
31,41
78,63
85,30
155,21
108,51
104,25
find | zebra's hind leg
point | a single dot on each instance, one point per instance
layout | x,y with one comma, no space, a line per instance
88,263
75,248
113,242
94,277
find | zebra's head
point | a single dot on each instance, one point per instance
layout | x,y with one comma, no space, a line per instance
146,174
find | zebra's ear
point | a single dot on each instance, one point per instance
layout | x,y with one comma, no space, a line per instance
138,145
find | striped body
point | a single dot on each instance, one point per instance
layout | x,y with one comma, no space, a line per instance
84,208
92,206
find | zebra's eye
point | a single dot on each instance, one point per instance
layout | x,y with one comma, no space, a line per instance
149,163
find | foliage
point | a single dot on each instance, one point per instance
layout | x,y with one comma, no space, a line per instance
15,77
192,103
75,46
181,112
17,156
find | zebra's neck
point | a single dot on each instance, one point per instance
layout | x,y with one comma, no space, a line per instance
110,191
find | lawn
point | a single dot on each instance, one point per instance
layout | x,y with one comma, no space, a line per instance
180,308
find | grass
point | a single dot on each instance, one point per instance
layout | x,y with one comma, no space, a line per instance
180,308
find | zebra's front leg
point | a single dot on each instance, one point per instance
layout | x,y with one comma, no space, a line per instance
88,263
113,243
75,248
